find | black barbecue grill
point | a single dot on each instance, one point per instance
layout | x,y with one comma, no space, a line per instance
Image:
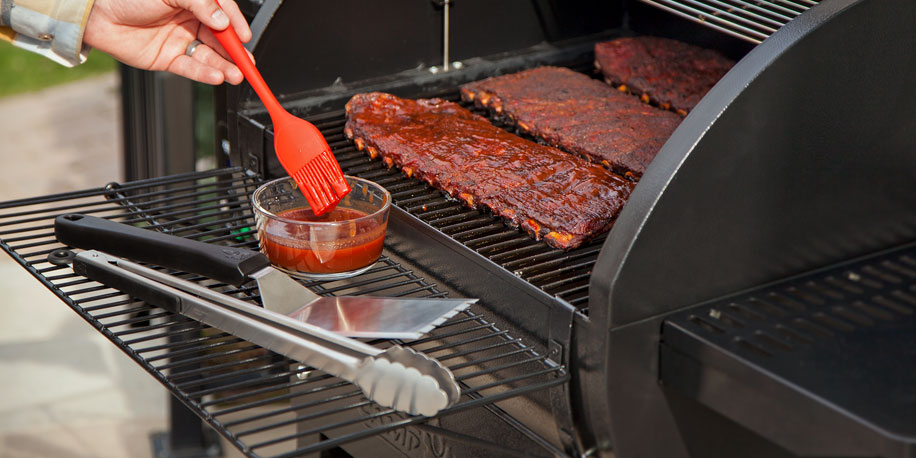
756,296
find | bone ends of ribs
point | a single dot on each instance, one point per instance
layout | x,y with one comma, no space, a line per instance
554,196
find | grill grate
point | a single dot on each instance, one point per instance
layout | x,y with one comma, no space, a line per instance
559,273
750,20
253,397
813,311
845,333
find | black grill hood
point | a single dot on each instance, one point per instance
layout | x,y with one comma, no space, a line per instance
801,157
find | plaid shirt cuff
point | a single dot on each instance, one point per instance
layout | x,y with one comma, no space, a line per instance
52,28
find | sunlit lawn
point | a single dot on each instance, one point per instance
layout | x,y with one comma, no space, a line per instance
22,71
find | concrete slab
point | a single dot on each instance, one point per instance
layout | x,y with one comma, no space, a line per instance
61,139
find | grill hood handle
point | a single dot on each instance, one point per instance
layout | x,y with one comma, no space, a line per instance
226,264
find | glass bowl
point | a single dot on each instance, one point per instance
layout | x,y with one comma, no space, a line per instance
342,243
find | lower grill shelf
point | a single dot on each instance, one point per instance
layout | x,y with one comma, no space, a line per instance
823,365
265,404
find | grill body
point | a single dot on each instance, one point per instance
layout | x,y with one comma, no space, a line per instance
800,158
773,174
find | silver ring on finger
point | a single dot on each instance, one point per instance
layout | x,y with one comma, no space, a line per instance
191,48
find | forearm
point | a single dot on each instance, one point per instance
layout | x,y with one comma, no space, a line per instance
53,28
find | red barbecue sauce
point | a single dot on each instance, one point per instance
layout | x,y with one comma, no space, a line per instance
352,253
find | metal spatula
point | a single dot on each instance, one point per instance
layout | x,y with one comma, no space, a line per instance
363,316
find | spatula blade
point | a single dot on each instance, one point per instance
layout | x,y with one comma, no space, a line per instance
280,293
380,317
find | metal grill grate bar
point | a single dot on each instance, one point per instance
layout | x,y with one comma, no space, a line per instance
750,21
197,351
199,343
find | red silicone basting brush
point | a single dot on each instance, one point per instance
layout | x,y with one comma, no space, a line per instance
302,150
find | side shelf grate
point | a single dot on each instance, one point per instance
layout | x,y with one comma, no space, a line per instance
258,400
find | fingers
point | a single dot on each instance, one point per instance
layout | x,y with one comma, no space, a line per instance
188,67
207,12
206,36
216,56
208,57
210,63
206,66
212,15
237,19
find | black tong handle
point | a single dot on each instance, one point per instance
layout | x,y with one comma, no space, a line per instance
127,283
221,263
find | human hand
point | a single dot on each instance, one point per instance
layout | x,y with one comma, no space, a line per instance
155,34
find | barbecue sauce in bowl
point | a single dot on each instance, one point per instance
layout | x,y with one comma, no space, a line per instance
325,249
339,244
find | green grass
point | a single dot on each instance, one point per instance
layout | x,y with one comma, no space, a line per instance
22,71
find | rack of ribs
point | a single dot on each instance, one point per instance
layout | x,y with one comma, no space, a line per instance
675,75
579,115
554,196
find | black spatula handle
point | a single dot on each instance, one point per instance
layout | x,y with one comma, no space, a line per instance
222,263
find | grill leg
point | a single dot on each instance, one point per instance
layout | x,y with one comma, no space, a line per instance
187,436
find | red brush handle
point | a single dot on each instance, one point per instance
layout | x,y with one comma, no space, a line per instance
231,43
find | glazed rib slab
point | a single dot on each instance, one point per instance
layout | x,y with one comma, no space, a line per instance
579,115
554,196
676,75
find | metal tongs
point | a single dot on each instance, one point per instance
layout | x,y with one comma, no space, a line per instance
396,377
